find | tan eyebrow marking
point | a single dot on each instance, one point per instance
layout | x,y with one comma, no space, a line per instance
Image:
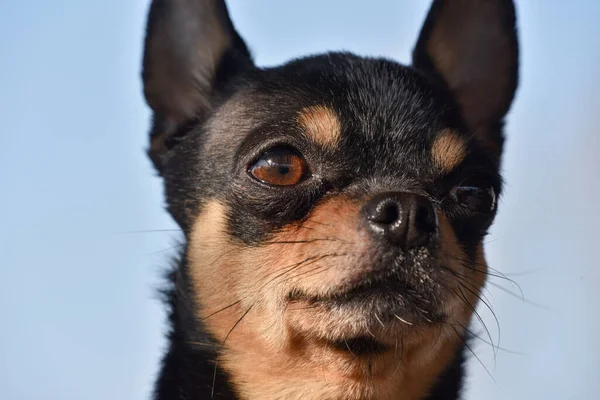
448,150
321,124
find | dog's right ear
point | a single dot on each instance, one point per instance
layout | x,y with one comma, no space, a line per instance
191,51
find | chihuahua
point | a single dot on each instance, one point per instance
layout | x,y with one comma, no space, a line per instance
333,208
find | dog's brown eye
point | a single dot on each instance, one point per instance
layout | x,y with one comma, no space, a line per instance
280,167
478,199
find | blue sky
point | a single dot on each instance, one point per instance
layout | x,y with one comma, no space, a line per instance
77,293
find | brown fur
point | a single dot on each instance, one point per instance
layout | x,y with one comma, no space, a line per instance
448,150
321,124
274,349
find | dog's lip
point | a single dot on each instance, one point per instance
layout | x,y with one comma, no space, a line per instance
363,289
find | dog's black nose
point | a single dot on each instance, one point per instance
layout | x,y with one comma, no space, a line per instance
404,219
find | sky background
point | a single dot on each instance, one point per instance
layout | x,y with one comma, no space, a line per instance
79,314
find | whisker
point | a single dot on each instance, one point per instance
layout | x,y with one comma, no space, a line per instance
370,365
524,273
467,280
165,250
379,320
245,297
316,222
221,310
303,241
349,349
399,365
287,269
495,274
476,314
314,269
212,392
489,307
523,299
460,336
403,320
473,334
463,281
201,344
145,231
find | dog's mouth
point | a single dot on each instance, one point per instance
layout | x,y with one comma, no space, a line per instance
385,297
368,312
386,305
372,287
407,286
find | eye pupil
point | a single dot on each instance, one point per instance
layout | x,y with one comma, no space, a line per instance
279,167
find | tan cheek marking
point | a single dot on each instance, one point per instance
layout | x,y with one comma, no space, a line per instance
448,150
321,124
466,280
208,243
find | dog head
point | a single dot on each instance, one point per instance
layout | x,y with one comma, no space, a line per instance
333,207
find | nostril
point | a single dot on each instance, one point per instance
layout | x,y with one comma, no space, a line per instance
401,219
386,213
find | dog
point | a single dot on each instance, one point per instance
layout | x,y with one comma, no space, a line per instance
333,208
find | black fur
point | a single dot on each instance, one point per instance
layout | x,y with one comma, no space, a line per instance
390,116
187,368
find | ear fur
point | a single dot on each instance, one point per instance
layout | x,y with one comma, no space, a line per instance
471,45
191,50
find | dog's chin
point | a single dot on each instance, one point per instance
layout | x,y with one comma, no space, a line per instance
370,316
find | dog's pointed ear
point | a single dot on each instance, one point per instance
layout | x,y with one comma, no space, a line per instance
472,46
191,51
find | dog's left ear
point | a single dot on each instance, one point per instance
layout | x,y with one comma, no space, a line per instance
471,45
191,52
